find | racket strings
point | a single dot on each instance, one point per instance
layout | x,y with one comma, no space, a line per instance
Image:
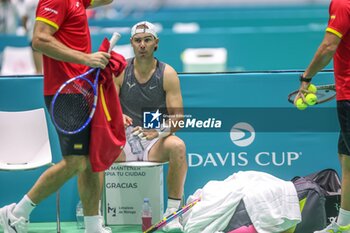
73,106
323,95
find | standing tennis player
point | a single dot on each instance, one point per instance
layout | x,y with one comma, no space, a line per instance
336,45
149,83
61,34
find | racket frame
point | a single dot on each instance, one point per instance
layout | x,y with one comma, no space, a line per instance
172,216
329,87
114,39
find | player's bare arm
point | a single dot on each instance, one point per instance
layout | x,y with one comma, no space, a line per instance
118,81
46,43
173,95
324,54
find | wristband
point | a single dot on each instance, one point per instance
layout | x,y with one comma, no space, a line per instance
302,79
163,132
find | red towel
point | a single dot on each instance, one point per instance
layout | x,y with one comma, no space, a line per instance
107,127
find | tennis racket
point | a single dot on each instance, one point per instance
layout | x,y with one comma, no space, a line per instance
172,216
74,103
324,94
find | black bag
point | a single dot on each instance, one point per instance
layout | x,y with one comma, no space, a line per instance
312,200
239,218
329,181
319,196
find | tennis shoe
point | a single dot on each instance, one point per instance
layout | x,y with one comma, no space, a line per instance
102,228
174,225
10,223
106,229
102,220
335,228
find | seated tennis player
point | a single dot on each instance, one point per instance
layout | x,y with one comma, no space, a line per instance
149,83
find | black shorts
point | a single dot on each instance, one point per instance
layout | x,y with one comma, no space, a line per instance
72,144
343,108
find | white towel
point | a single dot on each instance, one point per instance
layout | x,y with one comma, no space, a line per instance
271,203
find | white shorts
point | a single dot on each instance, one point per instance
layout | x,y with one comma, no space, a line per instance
143,155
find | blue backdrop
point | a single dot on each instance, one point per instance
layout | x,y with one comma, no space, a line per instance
259,130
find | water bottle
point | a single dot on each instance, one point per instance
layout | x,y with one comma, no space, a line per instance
80,216
134,141
146,214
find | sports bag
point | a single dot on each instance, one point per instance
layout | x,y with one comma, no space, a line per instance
329,181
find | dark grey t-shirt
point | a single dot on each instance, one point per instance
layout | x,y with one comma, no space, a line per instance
136,97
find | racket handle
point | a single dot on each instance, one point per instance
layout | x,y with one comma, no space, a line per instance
115,37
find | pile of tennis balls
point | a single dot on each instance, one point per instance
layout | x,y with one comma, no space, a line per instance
310,98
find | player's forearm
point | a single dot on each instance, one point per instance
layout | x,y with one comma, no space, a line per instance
321,59
51,47
175,119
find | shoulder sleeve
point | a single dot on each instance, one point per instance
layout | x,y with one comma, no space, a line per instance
51,12
339,18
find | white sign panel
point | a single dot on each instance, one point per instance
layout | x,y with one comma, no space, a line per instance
125,189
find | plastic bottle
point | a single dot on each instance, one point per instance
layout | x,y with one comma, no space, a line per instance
80,216
146,214
134,142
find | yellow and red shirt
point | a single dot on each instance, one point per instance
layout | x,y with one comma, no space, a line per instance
70,20
339,24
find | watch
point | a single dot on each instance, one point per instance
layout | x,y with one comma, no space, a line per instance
302,79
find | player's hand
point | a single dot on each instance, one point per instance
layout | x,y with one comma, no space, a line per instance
127,121
145,134
302,92
98,60
150,134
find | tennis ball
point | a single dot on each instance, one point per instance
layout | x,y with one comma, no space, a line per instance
300,104
312,88
311,99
